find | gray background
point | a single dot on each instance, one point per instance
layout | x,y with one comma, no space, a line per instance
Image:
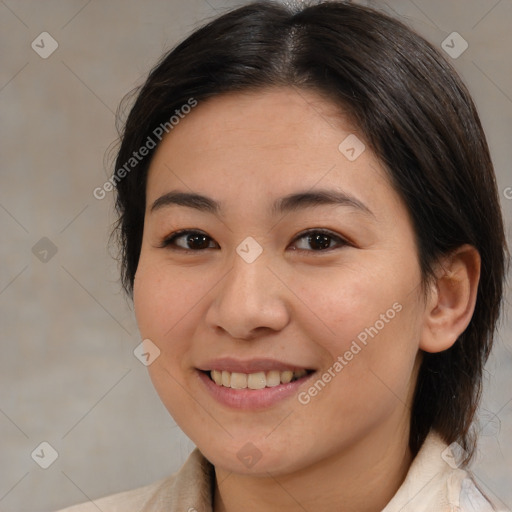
68,375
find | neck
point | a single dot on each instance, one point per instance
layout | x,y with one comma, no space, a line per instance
363,478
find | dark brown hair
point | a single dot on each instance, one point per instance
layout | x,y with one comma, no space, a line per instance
415,114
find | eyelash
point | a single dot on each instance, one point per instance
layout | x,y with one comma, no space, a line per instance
169,240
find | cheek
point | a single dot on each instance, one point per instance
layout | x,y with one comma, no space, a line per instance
162,296
355,302
169,304
146,292
163,303
371,319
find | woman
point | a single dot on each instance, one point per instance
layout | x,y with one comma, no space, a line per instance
311,235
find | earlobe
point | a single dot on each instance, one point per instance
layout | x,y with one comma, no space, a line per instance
452,299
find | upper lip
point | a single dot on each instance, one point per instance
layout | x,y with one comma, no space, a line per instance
249,366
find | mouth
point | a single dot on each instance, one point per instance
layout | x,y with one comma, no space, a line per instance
256,380
255,384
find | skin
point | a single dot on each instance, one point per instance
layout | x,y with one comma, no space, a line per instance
304,307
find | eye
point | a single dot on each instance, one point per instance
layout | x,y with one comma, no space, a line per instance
320,238
195,238
195,241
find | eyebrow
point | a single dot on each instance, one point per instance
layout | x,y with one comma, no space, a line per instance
289,203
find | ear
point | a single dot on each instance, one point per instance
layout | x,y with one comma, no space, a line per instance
452,299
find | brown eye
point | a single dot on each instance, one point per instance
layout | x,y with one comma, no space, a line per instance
320,240
193,241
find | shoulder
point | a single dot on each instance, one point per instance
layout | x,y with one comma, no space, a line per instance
472,499
188,489
134,499
435,482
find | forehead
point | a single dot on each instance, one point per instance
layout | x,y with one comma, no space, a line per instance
266,143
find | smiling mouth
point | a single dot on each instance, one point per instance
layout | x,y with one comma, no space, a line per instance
257,380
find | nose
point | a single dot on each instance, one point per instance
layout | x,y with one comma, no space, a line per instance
250,301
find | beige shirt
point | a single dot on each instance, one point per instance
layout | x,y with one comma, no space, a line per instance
433,484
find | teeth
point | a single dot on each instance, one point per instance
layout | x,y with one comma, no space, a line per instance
300,374
273,378
286,376
225,379
257,380
238,380
217,376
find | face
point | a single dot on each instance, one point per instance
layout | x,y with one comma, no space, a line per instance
261,286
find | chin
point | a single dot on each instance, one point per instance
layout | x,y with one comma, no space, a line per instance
255,459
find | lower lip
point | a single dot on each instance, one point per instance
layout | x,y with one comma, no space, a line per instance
252,398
